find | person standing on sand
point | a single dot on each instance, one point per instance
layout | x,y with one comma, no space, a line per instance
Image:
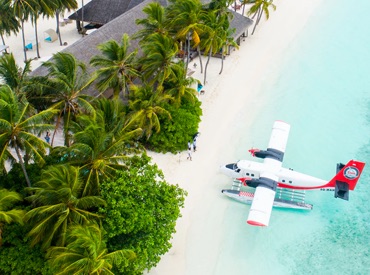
189,154
189,145
47,137
195,144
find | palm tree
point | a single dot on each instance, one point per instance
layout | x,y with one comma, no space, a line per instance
213,40
228,42
260,7
8,22
7,200
59,203
60,6
145,105
68,78
100,153
85,253
158,61
117,66
185,18
22,10
45,8
245,2
154,23
20,125
178,86
13,75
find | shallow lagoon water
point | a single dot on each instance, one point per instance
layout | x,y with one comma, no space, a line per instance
322,88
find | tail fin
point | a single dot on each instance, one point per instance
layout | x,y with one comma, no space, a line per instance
346,178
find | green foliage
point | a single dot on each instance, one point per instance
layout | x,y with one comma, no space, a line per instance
15,179
176,133
16,255
141,213
85,253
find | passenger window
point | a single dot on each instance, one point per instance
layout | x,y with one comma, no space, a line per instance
290,181
252,175
237,170
247,174
283,180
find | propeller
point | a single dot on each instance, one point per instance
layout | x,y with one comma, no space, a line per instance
253,151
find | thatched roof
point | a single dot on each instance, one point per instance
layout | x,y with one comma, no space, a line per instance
103,11
240,23
85,48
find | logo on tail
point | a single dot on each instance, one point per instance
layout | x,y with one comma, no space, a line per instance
351,173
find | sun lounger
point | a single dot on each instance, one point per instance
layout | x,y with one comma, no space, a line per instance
50,36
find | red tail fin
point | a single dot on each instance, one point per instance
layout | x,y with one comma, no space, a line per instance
350,173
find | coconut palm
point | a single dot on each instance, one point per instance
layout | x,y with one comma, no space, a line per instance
178,86
8,215
41,7
145,105
259,8
60,6
20,126
213,40
158,61
185,18
86,253
117,66
59,203
245,2
22,9
114,117
228,42
100,153
154,23
13,75
68,79
8,21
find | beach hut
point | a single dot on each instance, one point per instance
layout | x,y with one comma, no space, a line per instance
86,48
99,12
50,36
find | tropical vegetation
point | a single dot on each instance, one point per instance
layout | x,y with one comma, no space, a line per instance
76,206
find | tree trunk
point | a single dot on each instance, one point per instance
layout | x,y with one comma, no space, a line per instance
56,128
222,59
258,20
243,9
188,51
200,60
37,38
24,42
205,69
2,38
82,19
58,30
23,166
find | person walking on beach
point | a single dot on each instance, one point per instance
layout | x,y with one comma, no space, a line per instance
189,154
195,144
47,137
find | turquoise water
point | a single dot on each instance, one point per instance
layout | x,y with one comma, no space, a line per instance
322,88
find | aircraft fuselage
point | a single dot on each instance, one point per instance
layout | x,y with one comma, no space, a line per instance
287,178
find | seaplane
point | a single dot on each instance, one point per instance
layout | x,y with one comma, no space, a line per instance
275,186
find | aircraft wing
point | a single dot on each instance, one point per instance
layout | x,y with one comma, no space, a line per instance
264,195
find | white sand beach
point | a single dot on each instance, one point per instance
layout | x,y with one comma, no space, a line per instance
229,104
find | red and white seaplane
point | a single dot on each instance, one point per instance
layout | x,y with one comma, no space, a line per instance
282,187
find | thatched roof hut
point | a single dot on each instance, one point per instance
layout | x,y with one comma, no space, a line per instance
85,48
100,12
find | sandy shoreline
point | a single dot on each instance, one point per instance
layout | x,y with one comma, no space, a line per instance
230,105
